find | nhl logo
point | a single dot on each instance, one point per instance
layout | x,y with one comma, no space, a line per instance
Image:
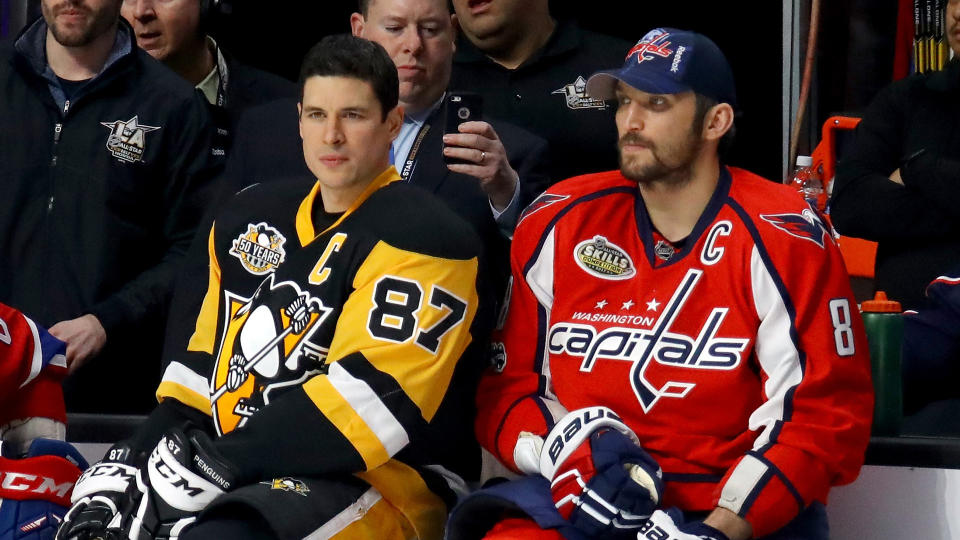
260,249
603,259
664,250
127,139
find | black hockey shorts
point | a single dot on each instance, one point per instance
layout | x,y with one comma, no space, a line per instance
289,507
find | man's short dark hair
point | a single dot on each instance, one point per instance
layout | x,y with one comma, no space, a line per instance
704,104
344,55
364,6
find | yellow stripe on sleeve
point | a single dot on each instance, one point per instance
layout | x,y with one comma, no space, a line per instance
329,401
168,389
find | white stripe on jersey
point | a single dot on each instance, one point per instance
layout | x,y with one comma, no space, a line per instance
366,403
777,354
348,515
741,483
540,280
36,363
180,374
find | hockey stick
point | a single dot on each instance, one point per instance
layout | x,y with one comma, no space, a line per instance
261,354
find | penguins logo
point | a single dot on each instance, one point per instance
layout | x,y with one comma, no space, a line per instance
265,348
288,484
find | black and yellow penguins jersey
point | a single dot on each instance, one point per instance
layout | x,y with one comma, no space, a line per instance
348,350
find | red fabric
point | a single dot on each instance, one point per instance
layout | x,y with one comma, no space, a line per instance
747,342
42,398
581,461
521,529
903,42
25,393
47,478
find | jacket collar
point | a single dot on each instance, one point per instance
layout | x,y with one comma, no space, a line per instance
31,46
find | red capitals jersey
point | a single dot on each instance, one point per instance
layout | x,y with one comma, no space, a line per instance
32,364
739,360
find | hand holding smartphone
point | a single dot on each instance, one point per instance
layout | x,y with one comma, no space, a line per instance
461,107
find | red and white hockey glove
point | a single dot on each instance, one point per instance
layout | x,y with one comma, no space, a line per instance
183,474
601,480
670,525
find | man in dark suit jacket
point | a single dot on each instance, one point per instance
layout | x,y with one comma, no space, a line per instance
176,33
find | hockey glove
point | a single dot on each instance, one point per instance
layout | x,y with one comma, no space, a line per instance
601,480
184,473
98,497
669,525
35,493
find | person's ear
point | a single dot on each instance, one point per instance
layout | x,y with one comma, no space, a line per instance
356,24
718,122
395,121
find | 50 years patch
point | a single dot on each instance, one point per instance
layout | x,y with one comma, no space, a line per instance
260,248
601,258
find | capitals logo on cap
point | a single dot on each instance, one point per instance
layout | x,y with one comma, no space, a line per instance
651,45
670,61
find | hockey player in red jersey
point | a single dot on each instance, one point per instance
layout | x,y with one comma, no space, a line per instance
682,357
32,365
37,468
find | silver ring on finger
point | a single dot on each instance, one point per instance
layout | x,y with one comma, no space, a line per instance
483,155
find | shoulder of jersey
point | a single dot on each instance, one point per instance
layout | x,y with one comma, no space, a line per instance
757,194
779,213
284,195
567,192
410,218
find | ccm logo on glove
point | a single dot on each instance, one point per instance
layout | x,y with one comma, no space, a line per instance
33,484
172,477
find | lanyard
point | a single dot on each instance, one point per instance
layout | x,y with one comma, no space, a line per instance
224,76
408,165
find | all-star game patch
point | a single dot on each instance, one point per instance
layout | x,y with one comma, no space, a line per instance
260,249
127,139
604,259
576,95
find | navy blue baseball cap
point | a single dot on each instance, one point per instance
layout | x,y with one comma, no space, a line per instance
670,61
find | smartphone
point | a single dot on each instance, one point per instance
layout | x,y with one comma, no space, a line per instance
461,107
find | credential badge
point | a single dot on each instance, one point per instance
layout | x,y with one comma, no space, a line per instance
260,249
127,139
603,259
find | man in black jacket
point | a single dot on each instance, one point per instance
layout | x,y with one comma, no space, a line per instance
104,161
177,32
898,182
533,69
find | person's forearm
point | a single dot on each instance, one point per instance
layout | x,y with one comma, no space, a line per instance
730,524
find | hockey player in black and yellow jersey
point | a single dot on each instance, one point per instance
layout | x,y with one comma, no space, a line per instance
326,389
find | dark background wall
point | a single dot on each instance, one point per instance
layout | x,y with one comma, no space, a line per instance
275,35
